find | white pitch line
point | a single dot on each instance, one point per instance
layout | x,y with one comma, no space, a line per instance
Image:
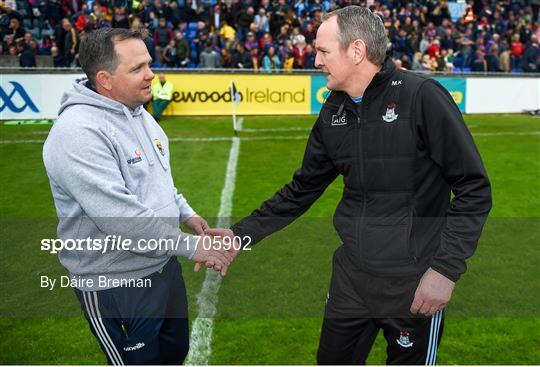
254,138
200,347
276,129
201,139
27,141
508,133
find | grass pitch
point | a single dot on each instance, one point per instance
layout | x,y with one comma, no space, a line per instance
270,305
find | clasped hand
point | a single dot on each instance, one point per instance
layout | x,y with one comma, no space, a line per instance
214,248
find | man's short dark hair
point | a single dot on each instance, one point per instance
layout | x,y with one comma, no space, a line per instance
96,51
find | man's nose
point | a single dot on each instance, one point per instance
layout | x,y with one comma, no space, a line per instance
318,61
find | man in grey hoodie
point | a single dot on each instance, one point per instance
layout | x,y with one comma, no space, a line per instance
108,165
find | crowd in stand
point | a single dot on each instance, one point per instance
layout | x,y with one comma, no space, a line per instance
495,36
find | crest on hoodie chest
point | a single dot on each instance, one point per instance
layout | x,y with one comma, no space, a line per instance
159,146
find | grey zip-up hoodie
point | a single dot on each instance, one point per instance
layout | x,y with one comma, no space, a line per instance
109,173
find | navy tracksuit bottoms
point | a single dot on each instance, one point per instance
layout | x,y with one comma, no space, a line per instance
146,325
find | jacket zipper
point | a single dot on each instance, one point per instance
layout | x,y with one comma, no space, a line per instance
410,233
361,174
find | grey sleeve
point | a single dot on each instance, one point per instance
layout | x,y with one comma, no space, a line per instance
84,164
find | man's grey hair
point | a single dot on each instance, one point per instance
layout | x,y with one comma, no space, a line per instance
96,51
356,22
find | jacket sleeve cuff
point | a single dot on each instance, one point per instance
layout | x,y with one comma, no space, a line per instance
244,238
444,270
188,246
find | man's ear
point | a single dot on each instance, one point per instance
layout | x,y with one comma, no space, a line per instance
359,51
104,80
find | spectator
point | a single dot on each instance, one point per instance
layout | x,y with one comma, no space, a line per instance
449,60
424,44
266,42
182,49
242,59
271,60
57,57
226,59
170,57
466,49
16,30
285,52
492,59
162,36
71,43
405,62
226,31
401,46
505,58
281,10
27,57
120,19
254,55
310,33
251,42
245,18
283,35
447,41
479,63
295,35
45,46
441,61
175,15
81,18
309,59
517,51
261,23
428,64
210,59
300,52
530,59
411,27
433,49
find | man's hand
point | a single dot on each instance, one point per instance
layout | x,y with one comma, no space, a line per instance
225,233
432,294
219,259
197,225
220,233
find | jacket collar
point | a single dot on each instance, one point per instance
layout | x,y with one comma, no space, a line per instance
386,72
343,100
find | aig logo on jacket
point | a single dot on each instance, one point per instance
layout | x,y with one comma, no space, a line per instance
338,120
390,115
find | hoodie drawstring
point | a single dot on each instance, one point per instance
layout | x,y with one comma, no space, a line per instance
140,137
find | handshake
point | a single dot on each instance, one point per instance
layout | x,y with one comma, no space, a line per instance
216,248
